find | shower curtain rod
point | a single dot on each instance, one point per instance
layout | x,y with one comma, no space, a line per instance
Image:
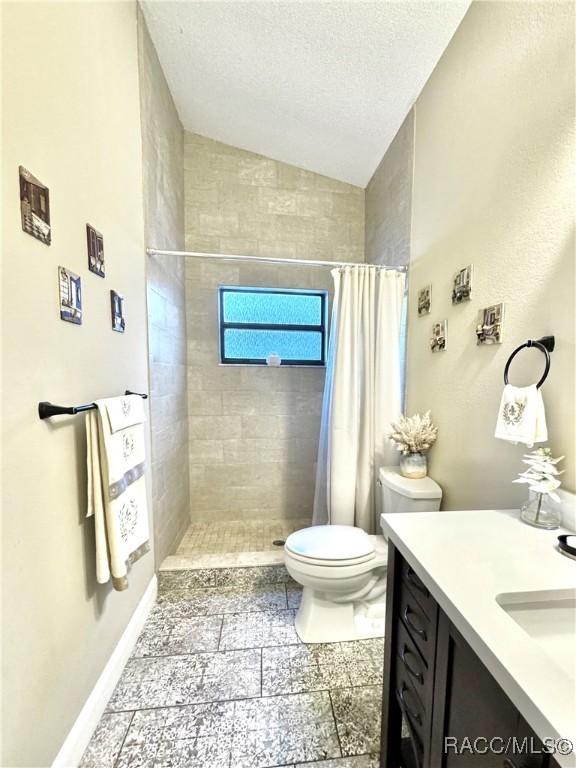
268,259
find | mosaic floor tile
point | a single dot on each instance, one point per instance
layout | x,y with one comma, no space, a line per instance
212,648
171,636
361,761
106,741
202,677
254,733
183,580
258,630
294,593
185,737
295,668
283,730
357,713
204,602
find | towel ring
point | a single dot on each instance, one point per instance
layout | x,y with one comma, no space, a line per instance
545,345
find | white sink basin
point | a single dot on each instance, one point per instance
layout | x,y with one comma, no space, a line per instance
549,618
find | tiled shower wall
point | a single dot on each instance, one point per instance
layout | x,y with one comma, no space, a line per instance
163,149
253,431
389,201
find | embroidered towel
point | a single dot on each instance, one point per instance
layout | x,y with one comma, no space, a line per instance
521,417
117,486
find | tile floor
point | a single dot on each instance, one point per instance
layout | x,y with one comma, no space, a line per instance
236,536
219,679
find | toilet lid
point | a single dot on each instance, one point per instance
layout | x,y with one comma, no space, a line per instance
330,543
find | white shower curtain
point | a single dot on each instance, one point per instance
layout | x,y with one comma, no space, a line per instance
362,394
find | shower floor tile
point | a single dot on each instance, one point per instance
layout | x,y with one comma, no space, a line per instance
237,536
219,679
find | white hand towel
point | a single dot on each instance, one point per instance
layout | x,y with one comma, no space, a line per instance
521,416
117,487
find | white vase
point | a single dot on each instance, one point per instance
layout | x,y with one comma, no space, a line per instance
413,465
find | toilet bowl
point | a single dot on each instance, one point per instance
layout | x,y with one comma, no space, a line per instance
343,570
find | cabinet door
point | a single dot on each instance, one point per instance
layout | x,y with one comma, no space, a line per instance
474,721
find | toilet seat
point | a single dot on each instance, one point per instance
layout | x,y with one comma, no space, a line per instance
325,563
330,546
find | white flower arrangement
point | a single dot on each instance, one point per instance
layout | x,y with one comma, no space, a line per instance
414,434
542,473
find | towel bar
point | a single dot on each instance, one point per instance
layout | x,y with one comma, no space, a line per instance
46,409
545,345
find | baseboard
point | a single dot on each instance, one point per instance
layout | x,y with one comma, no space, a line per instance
77,740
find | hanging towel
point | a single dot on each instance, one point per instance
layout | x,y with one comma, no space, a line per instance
521,417
117,486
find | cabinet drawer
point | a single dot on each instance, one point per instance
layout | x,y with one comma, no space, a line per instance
410,705
409,657
420,628
418,589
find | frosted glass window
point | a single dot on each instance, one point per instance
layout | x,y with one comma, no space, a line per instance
277,308
257,323
289,345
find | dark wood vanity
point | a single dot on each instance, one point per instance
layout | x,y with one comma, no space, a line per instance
435,686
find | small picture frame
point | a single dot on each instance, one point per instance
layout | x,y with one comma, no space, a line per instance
34,207
70,292
95,243
490,322
439,338
117,309
424,300
462,285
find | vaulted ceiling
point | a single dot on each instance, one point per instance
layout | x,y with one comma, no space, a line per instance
321,85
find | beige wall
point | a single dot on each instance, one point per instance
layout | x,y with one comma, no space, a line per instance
254,430
389,201
71,116
163,166
494,187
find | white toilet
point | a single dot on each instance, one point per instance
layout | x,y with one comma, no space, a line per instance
343,569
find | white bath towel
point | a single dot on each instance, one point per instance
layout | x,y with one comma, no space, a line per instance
521,416
117,486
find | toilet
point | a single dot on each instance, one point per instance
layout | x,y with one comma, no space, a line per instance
343,569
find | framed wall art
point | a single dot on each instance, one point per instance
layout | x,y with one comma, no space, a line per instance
438,340
462,285
424,300
95,243
489,328
35,207
117,309
70,287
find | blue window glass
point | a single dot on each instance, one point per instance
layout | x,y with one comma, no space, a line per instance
257,323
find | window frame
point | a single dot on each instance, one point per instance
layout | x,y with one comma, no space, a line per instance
224,325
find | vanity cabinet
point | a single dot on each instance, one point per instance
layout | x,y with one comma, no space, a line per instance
436,687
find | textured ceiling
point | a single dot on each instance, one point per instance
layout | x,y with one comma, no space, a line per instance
321,85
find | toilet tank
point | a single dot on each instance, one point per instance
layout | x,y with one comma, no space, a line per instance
404,494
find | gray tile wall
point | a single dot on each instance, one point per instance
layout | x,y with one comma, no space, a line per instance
389,201
253,431
163,159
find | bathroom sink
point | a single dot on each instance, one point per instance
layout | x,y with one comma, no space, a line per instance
549,618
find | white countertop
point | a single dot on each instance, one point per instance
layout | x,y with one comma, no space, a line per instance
468,558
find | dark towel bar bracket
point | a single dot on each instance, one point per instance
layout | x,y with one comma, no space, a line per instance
46,409
545,345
